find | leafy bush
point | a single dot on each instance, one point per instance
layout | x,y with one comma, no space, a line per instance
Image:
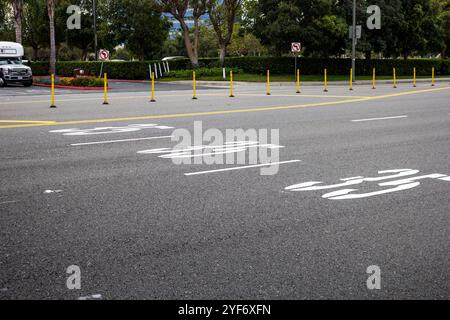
86,82
76,82
132,70
200,72
139,70
65,81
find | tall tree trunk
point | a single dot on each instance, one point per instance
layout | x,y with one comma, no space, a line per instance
51,17
179,8
222,15
196,38
222,53
17,6
189,47
84,54
35,52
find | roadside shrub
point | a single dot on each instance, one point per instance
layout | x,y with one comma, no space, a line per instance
200,72
132,70
69,81
65,81
139,70
86,82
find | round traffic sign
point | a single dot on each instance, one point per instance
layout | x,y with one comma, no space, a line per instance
296,47
103,54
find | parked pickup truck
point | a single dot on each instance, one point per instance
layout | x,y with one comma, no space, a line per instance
11,68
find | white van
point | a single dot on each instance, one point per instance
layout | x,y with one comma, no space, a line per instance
11,68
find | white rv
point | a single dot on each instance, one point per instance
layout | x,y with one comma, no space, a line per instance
11,68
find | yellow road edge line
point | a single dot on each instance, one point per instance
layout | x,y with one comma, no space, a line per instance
179,95
207,113
26,121
203,94
180,115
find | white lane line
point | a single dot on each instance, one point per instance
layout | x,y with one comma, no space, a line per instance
241,167
5,202
376,119
352,178
123,140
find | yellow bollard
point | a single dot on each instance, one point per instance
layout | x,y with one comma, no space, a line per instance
231,84
432,77
395,79
298,81
152,99
326,81
414,78
374,79
268,83
194,86
53,92
105,89
351,79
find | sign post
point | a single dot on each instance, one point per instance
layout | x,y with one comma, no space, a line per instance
103,55
296,47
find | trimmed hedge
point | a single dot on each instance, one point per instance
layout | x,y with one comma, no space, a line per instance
130,70
200,72
311,66
138,70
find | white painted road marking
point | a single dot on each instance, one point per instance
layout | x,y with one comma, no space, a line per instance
52,191
106,130
122,140
241,167
228,147
404,183
5,202
96,296
376,119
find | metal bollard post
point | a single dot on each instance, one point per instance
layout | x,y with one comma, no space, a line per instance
105,89
231,84
152,99
53,92
194,86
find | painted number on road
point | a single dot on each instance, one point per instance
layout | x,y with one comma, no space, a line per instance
207,150
106,130
405,181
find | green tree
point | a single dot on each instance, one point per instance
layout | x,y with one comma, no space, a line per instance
139,25
316,23
82,38
444,22
244,43
174,46
18,15
51,16
208,45
36,26
222,14
6,25
191,35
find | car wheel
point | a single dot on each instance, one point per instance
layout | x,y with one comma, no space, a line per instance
28,83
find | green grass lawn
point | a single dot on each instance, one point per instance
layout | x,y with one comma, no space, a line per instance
287,78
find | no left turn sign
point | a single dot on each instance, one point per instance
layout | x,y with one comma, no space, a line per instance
103,54
296,47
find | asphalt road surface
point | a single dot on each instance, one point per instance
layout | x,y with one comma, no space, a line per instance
140,226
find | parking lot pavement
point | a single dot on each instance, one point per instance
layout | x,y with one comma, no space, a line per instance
363,180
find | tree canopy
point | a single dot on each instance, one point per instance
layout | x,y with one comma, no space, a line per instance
209,28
